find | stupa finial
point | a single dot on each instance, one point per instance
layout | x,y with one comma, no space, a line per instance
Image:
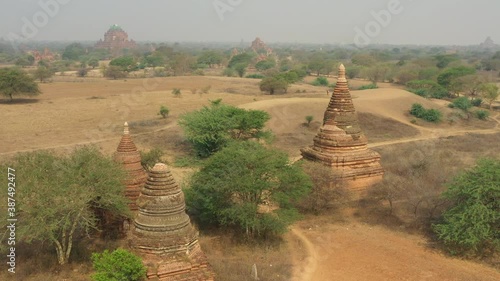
125,129
341,75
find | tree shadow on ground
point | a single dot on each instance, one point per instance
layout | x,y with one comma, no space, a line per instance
18,101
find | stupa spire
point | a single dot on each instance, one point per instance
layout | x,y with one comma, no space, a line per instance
128,155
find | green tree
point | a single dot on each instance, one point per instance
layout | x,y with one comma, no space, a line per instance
93,62
125,63
74,52
317,63
43,73
240,68
248,187
273,85
444,60
463,103
60,194
244,58
490,93
309,119
25,60
119,265
213,127
164,111
16,82
446,78
472,224
265,64
210,58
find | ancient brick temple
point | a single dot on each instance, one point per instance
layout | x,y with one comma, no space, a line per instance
163,234
341,144
128,155
115,40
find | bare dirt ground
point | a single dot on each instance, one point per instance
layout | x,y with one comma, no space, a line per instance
353,250
92,111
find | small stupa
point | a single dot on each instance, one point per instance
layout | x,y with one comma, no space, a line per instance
163,233
341,144
128,155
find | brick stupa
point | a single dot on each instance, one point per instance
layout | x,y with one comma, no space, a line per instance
128,155
163,234
341,144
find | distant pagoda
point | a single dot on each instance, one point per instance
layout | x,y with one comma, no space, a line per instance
115,40
163,234
341,144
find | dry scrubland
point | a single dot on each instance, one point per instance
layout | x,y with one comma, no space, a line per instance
351,242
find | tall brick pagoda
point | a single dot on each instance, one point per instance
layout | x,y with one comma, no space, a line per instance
128,155
163,234
341,144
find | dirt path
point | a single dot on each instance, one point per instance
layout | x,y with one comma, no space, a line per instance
304,271
357,251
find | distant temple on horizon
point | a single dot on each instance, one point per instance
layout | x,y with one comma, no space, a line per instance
115,40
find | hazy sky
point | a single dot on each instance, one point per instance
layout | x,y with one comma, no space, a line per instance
437,22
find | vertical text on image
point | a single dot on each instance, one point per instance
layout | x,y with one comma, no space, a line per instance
11,219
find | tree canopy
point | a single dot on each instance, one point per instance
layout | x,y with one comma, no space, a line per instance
472,224
248,187
274,84
125,63
212,127
16,82
43,73
73,52
57,195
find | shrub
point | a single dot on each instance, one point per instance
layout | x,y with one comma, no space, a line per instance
255,76
150,158
421,92
369,86
477,102
309,119
320,81
462,103
176,92
482,114
82,72
417,110
431,115
119,265
199,72
471,225
427,88
164,111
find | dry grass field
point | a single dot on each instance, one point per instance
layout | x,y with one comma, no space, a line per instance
347,246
